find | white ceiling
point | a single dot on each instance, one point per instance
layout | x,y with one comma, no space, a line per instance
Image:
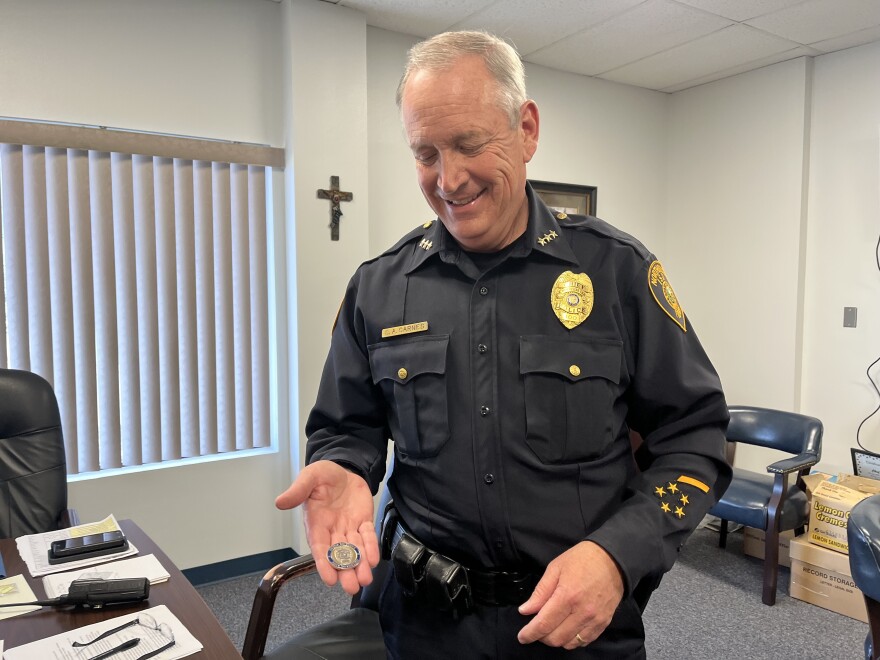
666,45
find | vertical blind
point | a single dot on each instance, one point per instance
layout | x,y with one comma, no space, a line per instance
138,287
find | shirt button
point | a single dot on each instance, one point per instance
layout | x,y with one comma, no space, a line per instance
574,370
482,348
484,411
489,478
499,544
402,373
484,290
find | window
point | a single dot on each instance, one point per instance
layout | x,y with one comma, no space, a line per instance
138,286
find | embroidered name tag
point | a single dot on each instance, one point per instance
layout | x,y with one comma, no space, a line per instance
421,326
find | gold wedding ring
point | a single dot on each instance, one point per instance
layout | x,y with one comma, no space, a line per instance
579,638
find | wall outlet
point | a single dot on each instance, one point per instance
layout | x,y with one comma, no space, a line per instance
850,315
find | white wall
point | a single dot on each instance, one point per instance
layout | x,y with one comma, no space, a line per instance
205,68
844,223
326,127
774,200
604,134
735,169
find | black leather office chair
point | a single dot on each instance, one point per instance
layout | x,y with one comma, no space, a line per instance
863,536
770,502
354,635
33,470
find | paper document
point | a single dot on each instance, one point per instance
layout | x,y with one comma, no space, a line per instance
16,590
154,628
147,566
34,548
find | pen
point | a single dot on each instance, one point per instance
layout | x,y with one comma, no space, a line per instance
129,644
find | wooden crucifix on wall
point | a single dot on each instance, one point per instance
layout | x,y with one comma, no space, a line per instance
335,195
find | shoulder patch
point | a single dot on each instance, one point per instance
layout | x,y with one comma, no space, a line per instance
663,294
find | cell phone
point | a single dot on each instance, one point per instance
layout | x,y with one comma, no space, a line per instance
91,545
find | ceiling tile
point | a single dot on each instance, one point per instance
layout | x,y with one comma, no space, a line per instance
848,40
418,17
724,49
820,20
740,10
642,31
532,24
800,51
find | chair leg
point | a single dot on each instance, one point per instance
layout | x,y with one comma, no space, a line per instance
873,608
722,535
771,538
771,565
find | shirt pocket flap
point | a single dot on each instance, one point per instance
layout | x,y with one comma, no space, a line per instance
403,360
574,360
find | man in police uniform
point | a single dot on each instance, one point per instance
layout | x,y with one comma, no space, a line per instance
509,352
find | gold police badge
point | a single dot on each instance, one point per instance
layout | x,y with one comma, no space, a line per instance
662,291
572,298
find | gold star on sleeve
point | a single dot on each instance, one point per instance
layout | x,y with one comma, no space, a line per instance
684,500
665,507
679,512
672,487
660,492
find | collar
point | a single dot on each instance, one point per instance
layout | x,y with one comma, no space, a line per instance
542,235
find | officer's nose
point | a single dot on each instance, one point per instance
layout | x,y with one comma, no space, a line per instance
452,174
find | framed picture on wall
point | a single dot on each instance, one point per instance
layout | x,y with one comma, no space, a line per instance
567,197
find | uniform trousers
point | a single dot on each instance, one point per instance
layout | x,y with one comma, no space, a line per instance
414,630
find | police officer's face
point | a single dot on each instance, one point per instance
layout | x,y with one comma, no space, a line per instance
471,164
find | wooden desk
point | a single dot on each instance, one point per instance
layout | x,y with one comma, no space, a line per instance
177,593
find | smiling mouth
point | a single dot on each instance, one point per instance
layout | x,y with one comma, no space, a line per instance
464,202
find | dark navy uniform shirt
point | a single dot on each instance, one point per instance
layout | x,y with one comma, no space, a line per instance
511,430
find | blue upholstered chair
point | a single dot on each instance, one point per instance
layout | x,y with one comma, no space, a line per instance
863,535
770,502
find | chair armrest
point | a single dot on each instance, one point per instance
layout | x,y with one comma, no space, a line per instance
264,602
793,464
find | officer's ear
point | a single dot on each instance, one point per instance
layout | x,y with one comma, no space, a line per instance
529,126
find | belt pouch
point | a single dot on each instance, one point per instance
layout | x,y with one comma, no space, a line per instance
389,526
408,559
447,584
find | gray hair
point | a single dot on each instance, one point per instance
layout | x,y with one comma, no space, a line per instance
501,59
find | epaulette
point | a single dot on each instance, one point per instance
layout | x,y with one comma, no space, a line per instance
416,233
592,224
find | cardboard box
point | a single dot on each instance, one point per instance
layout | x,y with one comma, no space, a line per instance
814,479
830,508
822,577
753,544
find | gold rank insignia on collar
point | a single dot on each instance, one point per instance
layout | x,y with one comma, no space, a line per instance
562,215
425,244
572,298
546,238
672,499
662,291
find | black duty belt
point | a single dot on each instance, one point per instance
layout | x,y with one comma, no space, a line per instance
444,583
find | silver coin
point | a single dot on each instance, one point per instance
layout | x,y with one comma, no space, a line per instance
343,555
